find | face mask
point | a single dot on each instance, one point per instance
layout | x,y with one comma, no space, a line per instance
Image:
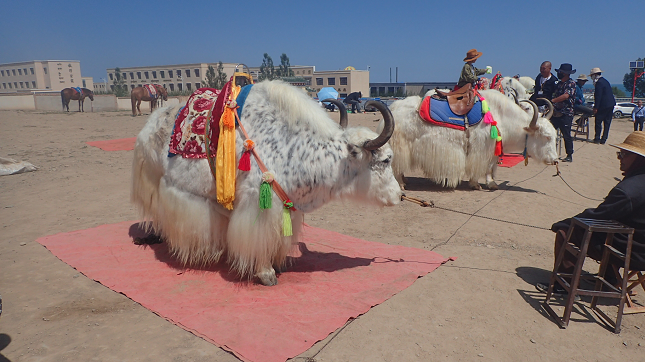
560,75
595,78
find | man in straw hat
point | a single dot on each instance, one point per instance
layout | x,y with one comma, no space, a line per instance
469,73
580,83
625,203
565,94
603,106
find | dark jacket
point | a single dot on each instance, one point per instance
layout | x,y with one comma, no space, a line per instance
603,96
356,96
625,203
548,88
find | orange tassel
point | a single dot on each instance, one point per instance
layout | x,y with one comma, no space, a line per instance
245,161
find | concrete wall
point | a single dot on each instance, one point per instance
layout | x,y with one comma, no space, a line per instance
52,102
126,103
15,101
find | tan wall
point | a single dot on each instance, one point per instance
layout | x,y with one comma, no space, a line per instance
53,102
15,101
126,104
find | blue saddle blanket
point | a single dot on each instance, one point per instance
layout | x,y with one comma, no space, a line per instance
438,112
78,89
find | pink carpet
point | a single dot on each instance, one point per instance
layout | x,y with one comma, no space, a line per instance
122,144
510,160
336,278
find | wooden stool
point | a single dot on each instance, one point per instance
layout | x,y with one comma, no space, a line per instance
591,226
582,127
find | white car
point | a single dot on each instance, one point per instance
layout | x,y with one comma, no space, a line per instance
623,109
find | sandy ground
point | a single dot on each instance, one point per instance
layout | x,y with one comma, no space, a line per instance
483,306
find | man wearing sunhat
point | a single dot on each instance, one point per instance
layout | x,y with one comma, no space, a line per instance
603,106
469,73
625,203
580,83
563,98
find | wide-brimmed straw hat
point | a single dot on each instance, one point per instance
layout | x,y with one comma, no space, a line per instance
635,143
582,77
566,68
595,71
472,54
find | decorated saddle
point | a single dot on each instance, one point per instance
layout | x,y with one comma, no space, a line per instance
188,137
78,90
438,112
152,91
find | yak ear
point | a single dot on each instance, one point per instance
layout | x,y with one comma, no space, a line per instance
355,152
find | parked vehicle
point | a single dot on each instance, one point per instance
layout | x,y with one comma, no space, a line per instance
623,109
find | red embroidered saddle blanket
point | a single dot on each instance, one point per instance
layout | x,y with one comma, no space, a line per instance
152,91
188,137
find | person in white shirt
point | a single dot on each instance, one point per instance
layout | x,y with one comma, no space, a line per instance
638,116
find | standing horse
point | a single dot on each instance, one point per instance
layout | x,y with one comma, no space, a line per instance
139,94
71,94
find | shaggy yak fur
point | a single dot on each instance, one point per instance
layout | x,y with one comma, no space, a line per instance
447,156
313,159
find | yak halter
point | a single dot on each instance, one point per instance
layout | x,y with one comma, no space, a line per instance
494,131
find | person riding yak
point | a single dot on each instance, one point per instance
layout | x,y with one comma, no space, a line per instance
469,73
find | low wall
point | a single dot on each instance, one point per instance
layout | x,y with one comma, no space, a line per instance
51,102
125,103
17,101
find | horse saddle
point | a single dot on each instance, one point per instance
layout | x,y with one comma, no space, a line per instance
461,101
78,90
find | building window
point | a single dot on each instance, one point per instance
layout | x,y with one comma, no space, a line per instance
180,87
170,74
45,70
14,72
124,75
131,86
33,84
19,71
15,85
172,87
331,81
343,95
131,75
145,74
84,85
309,71
343,80
138,75
154,74
162,73
197,73
198,85
319,81
187,73
4,85
22,85
2,72
31,70
10,87
188,86
111,76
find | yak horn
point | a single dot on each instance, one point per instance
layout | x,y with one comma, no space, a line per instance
533,124
549,114
388,129
341,109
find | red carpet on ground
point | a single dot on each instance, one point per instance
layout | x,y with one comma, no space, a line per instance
122,144
335,278
510,160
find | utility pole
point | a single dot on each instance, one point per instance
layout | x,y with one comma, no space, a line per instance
636,76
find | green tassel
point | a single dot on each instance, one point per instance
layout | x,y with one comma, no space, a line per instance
286,222
493,132
485,108
265,196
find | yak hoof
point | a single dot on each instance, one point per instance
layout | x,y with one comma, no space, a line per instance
267,277
492,186
476,186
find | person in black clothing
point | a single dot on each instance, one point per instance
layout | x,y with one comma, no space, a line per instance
544,83
603,106
625,203
354,99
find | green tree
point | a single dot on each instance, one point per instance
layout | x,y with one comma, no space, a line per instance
120,88
214,79
618,92
267,71
284,70
628,82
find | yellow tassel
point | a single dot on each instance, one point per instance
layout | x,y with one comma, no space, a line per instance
287,229
226,158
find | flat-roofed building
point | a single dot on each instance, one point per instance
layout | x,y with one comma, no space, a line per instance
53,75
406,89
344,81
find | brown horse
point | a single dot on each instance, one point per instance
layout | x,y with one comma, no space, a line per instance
68,94
139,94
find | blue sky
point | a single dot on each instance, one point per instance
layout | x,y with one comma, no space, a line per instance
515,36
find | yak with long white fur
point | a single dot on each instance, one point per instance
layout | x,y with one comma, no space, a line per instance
313,158
447,156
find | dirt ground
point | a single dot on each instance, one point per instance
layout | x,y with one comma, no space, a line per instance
481,307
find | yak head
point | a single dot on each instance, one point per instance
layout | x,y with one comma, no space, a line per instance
541,140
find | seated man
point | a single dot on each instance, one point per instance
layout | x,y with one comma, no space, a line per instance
625,203
354,99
